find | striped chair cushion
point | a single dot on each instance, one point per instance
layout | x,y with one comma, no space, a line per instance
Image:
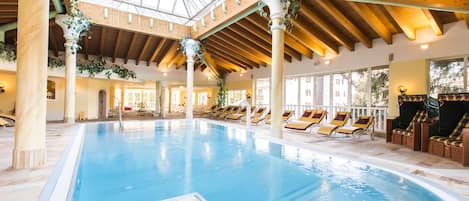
400,131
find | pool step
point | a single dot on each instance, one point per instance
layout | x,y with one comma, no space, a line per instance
187,197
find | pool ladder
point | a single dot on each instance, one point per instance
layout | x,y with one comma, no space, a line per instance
121,126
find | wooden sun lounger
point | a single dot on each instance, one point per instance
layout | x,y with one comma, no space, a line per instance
307,120
361,126
285,117
339,120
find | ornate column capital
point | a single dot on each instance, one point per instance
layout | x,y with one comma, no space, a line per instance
277,8
281,12
72,28
190,48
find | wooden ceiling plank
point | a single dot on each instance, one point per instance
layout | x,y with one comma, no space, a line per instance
434,21
223,48
211,64
442,5
397,15
117,46
332,31
157,51
130,49
246,49
144,49
220,41
266,51
261,23
244,66
236,57
368,15
170,54
174,60
345,22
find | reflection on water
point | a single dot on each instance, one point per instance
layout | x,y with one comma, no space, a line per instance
162,159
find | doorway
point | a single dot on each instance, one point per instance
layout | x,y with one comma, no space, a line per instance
102,104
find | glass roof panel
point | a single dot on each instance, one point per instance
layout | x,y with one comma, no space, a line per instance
185,12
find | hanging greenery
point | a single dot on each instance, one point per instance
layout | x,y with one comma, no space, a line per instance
7,52
95,66
78,23
55,63
290,6
221,92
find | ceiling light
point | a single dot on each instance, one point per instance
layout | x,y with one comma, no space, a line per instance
165,74
424,46
327,62
241,75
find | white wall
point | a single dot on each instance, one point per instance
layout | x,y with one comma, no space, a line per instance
455,41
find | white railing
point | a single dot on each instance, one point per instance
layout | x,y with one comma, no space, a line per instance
378,112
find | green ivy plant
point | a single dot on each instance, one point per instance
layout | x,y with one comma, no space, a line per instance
291,6
78,22
95,66
7,52
55,63
221,92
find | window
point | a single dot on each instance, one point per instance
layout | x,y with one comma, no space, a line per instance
322,90
359,88
233,96
202,99
50,90
117,97
341,89
149,98
291,91
263,91
447,76
379,86
306,96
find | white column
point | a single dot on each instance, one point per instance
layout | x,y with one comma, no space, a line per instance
191,49
277,13
163,90
71,35
31,84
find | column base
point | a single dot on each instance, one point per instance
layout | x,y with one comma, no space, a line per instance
69,120
25,159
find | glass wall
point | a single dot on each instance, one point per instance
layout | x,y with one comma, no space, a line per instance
307,90
359,88
233,96
447,76
140,99
322,90
291,92
379,86
340,89
263,91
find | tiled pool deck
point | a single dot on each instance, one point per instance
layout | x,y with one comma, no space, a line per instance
26,185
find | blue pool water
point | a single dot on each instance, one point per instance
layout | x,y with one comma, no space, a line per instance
163,159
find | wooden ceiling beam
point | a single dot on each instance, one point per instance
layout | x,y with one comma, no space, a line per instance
434,21
232,40
237,57
368,15
174,60
117,46
101,40
236,54
261,23
157,51
264,50
144,49
398,16
130,49
170,54
260,42
466,18
442,5
212,64
221,62
234,61
85,48
344,21
221,43
332,31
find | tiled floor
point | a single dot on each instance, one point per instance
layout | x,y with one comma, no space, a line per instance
27,184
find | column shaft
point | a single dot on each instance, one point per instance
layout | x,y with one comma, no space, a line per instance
163,99
70,82
189,88
277,84
31,82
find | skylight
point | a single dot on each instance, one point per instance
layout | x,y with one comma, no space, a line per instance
185,12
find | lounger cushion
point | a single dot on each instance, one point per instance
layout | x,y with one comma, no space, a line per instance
340,117
299,125
3,122
286,114
317,115
327,129
348,129
362,121
307,114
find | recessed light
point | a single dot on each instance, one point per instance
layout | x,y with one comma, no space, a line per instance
165,74
424,46
241,75
327,62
